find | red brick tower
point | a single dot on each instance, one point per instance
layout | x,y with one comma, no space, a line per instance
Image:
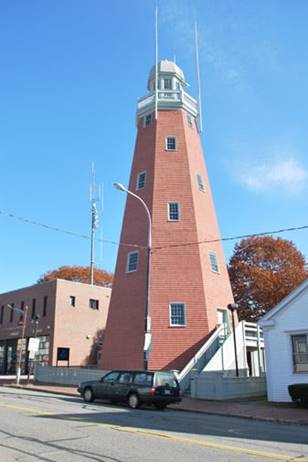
189,283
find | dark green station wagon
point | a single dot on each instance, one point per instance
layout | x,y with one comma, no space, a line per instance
134,387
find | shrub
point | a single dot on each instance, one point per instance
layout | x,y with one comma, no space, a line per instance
299,393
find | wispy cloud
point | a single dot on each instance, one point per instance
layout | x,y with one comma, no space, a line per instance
276,174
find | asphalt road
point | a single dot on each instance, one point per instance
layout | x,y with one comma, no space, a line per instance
40,426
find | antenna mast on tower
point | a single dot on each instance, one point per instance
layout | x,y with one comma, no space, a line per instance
156,61
198,79
94,223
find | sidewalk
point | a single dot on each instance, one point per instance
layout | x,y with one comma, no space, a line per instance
260,409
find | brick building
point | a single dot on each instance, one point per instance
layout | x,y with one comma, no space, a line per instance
66,316
187,282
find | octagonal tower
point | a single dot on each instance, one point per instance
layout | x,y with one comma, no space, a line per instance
189,283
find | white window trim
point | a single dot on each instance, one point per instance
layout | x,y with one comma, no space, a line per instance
144,120
127,261
292,352
202,189
185,321
166,143
138,177
168,211
214,253
190,120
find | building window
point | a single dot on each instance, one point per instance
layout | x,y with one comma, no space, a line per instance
170,143
33,312
173,211
167,84
177,314
11,312
189,120
132,262
22,307
214,262
94,304
147,120
200,183
300,352
140,180
1,314
45,305
72,300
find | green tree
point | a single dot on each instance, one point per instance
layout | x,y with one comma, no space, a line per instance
263,270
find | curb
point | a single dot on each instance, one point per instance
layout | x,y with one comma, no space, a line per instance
197,411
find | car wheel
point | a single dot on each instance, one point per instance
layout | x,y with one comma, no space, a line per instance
133,401
161,407
88,395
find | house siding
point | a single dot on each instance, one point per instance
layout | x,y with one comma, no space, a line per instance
290,320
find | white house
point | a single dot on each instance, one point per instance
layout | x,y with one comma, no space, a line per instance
285,330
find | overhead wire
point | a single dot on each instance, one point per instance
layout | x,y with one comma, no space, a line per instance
184,244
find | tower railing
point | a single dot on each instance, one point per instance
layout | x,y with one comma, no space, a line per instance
167,99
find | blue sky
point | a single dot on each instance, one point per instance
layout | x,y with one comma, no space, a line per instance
71,72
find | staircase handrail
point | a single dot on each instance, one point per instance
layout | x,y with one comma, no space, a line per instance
189,366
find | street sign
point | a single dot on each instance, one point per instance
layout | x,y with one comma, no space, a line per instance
33,344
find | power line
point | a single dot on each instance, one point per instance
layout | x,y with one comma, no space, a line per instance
234,238
64,231
107,241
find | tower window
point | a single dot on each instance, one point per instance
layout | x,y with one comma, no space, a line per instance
173,211
214,262
132,262
167,84
177,314
200,183
189,120
72,300
147,120
141,180
93,304
170,143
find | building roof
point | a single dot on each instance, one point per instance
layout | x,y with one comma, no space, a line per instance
284,303
167,67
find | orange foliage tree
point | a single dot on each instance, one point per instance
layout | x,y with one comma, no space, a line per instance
263,270
77,274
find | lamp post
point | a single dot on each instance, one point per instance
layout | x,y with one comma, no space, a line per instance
233,307
35,320
24,312
147,323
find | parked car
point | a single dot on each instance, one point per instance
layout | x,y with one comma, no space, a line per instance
134,387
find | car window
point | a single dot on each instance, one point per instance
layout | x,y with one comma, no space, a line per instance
112,377
165,378
125,377
143,378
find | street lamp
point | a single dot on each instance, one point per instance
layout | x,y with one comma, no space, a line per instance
35,320
147,323
24,312
233,307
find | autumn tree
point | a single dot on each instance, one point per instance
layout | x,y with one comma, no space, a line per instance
263,270
77,274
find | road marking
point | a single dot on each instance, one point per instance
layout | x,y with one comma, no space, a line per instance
173,438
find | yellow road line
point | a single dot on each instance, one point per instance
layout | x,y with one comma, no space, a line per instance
170,437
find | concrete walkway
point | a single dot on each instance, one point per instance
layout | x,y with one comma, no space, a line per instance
259,409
